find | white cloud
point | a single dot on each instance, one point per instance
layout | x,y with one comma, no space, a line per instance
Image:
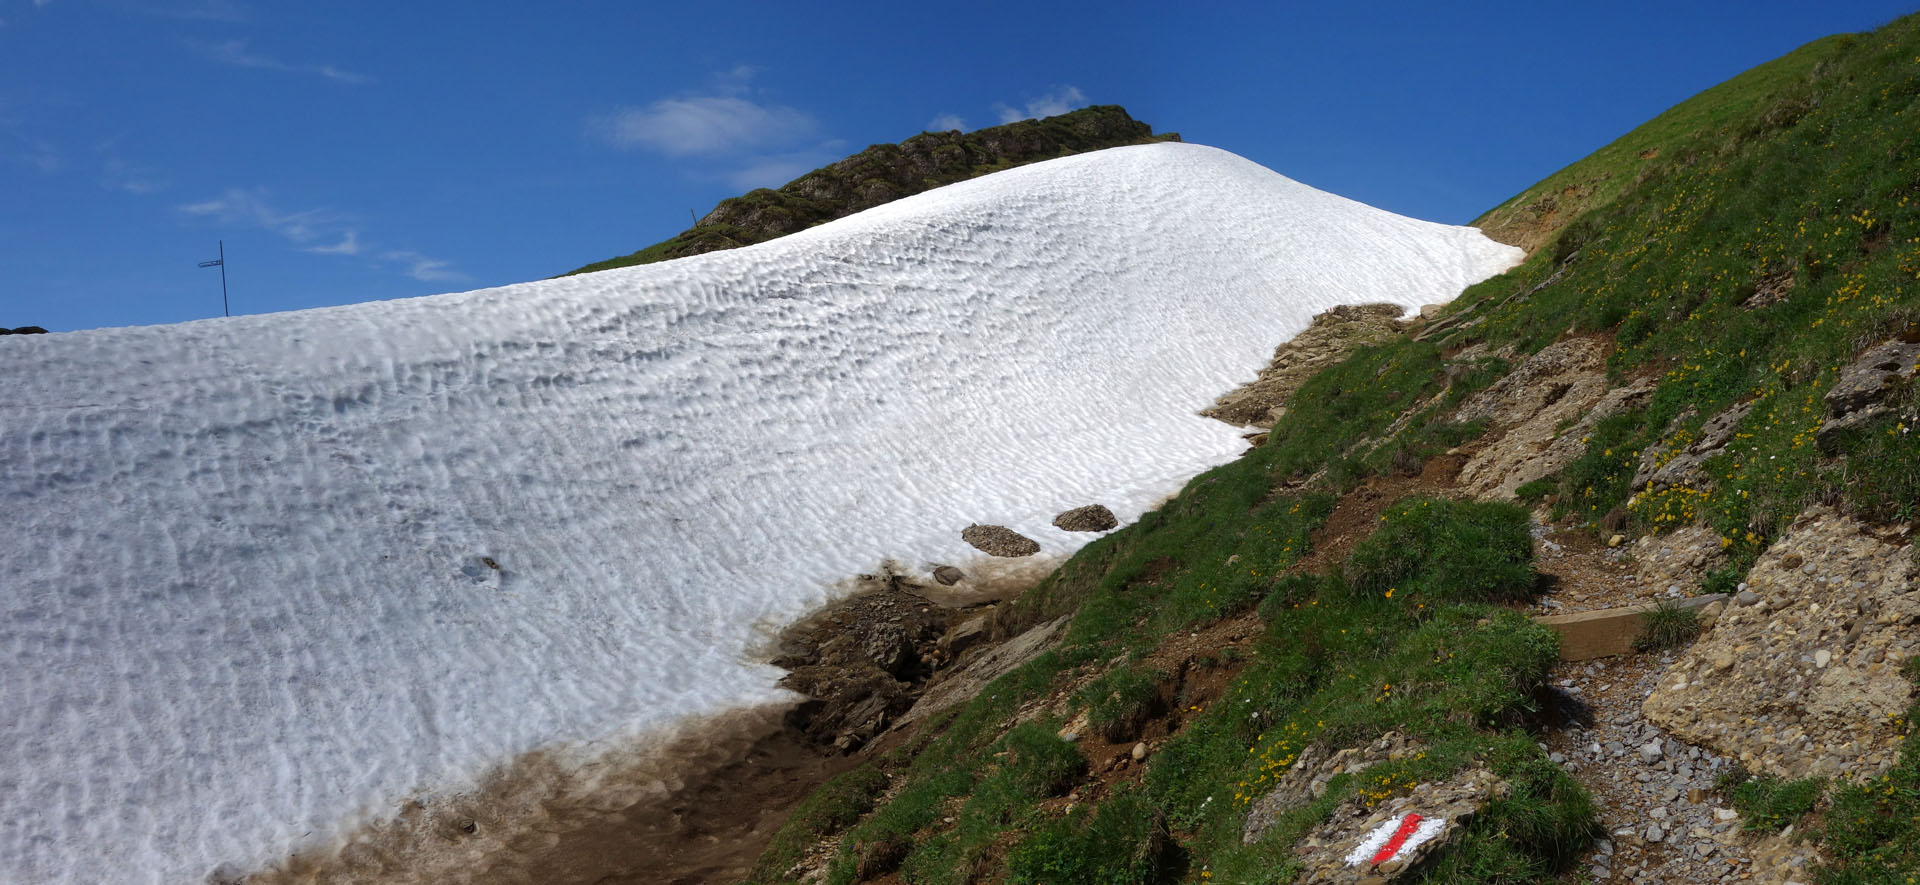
349,245
38,154
715,124
946,122
1052,103
422,268
119,175
236,53
195,10
41,4
316,231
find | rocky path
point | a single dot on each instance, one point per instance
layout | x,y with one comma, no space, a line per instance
1664,819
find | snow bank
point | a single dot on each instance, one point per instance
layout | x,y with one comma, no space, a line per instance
248,582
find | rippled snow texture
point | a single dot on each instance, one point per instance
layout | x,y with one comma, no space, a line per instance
242,593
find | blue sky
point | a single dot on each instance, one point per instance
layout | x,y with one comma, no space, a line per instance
358,151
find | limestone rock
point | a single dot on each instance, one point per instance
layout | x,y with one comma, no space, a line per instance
1662,467
1091,518
1828,586
1563,386
948,575
998,540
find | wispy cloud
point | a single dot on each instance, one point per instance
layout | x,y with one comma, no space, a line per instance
195,10
236,53
119,175
1052,103
37,153
946,122
41,4
706,125
422,268
316,231
349,245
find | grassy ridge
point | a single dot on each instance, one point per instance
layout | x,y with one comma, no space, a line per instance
1738,249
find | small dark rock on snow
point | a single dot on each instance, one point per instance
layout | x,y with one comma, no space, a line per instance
998,540
1091,518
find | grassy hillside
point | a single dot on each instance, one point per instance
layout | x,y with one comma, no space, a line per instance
886,172
1739,249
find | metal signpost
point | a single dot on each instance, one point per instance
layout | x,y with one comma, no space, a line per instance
221,263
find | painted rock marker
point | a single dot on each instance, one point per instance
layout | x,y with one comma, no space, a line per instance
1395,839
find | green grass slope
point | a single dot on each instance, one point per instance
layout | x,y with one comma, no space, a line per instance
1740,248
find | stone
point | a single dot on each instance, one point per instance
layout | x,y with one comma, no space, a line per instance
998,540
948,575
891,649
1747,597
965,635
1615,540
1654,833
1822,658
1139,753
1650,752
1091,518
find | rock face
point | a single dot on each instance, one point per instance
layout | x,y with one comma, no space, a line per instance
1329,339
862,662
886,172
1807,679
1564,384
1677,462
998,540
1091,518
1859,396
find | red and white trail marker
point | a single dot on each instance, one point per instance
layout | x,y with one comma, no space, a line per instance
1396,839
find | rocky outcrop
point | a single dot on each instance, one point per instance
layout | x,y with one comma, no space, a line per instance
998,540
1327,340
1802,675
1546,406
23,330
1677,461
886,172
1091,518
1863,389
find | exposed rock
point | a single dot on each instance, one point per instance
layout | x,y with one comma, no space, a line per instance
998,540
968,634
948,575
1327,340
1674,564
1091,518
1562,386
1860,393
1677,461
1827,585
1307,779
863,661
1338,851
963,682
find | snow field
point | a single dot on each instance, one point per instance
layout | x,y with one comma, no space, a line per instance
245,592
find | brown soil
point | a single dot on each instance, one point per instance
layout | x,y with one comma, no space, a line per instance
1358,512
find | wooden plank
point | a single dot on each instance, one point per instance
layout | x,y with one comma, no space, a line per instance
1611,631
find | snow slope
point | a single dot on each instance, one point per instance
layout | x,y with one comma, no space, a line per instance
242,593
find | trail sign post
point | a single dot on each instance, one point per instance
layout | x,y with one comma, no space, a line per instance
221,263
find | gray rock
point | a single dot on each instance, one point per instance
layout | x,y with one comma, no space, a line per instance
948,575
1091,518
1655,833
998,540
1139,752
1650,752
1747,597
